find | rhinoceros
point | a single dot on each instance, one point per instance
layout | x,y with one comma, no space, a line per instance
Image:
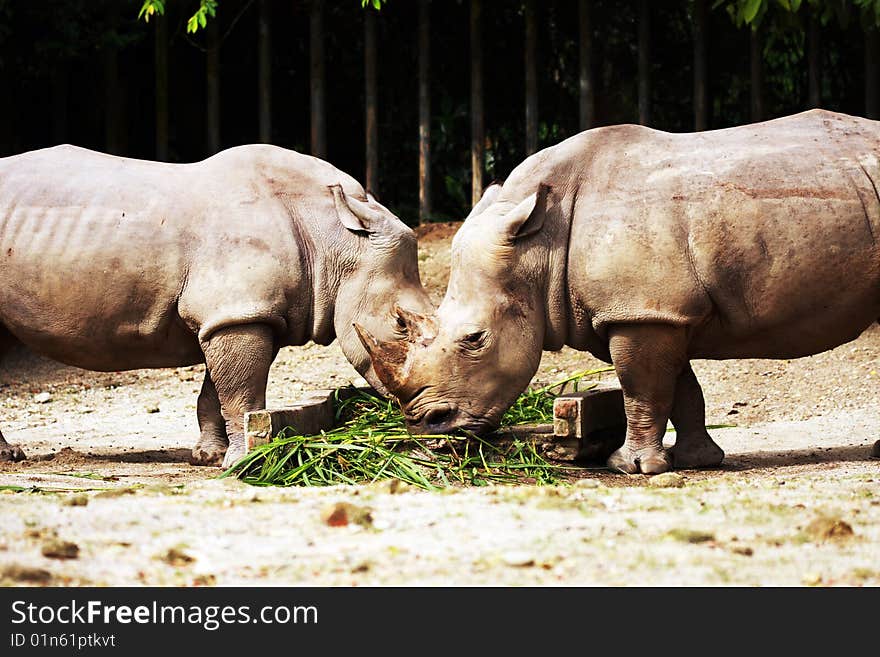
109,263
649,249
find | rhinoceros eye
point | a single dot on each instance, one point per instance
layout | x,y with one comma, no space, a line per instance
401,328
474,340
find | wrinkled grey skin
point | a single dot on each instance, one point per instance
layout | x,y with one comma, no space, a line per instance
109,263
649,249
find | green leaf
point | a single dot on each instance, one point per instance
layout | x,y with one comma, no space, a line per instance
751,10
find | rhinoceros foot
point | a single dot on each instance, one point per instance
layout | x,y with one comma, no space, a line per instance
11,453
875,452
237,449
211,455
698,453
647,460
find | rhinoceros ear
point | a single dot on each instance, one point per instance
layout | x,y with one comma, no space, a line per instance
488,198
527,217
354,214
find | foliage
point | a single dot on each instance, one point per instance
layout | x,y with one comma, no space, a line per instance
208,9
536,406
372,443
754,12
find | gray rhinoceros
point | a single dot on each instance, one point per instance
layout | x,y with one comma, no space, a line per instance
109,263
649,249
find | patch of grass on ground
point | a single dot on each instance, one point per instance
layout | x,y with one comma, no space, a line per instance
536,406
371,443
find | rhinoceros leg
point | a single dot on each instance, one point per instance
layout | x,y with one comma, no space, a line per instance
694,447
238,360
8,452
648,360
213,441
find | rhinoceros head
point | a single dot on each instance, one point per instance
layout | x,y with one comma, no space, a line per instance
381,291
463,367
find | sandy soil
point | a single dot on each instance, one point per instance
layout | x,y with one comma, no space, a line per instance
108,457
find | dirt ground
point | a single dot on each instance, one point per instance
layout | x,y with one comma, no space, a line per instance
797,501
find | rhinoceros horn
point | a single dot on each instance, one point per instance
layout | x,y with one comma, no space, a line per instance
389,358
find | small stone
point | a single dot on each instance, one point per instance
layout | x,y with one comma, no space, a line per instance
743,550
16,573
177,557
116,492
811,579
151,409
58,549
666,480
518,559
829,529
344,513
42,398
392,486
80,499
587,483
690,535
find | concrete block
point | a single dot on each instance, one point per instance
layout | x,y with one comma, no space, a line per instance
310,415
593,421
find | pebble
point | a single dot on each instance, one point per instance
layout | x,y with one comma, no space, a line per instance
829,529
342,514
177,557
58,549
81,499
587,483
811,579
666,480
518,559
151,409
42,397
18,573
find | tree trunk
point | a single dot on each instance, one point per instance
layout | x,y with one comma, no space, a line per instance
585,78
701,96
644,62
161,60
477,135
424,110
756,57
316,94
370,95
265,72
112,110
531,77
872,84
814,75
212,88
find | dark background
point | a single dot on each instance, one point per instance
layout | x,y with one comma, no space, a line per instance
57,84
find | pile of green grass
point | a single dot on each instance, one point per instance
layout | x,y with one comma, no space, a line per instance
371,443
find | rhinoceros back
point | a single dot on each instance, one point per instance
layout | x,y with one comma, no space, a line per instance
762,239
93,255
